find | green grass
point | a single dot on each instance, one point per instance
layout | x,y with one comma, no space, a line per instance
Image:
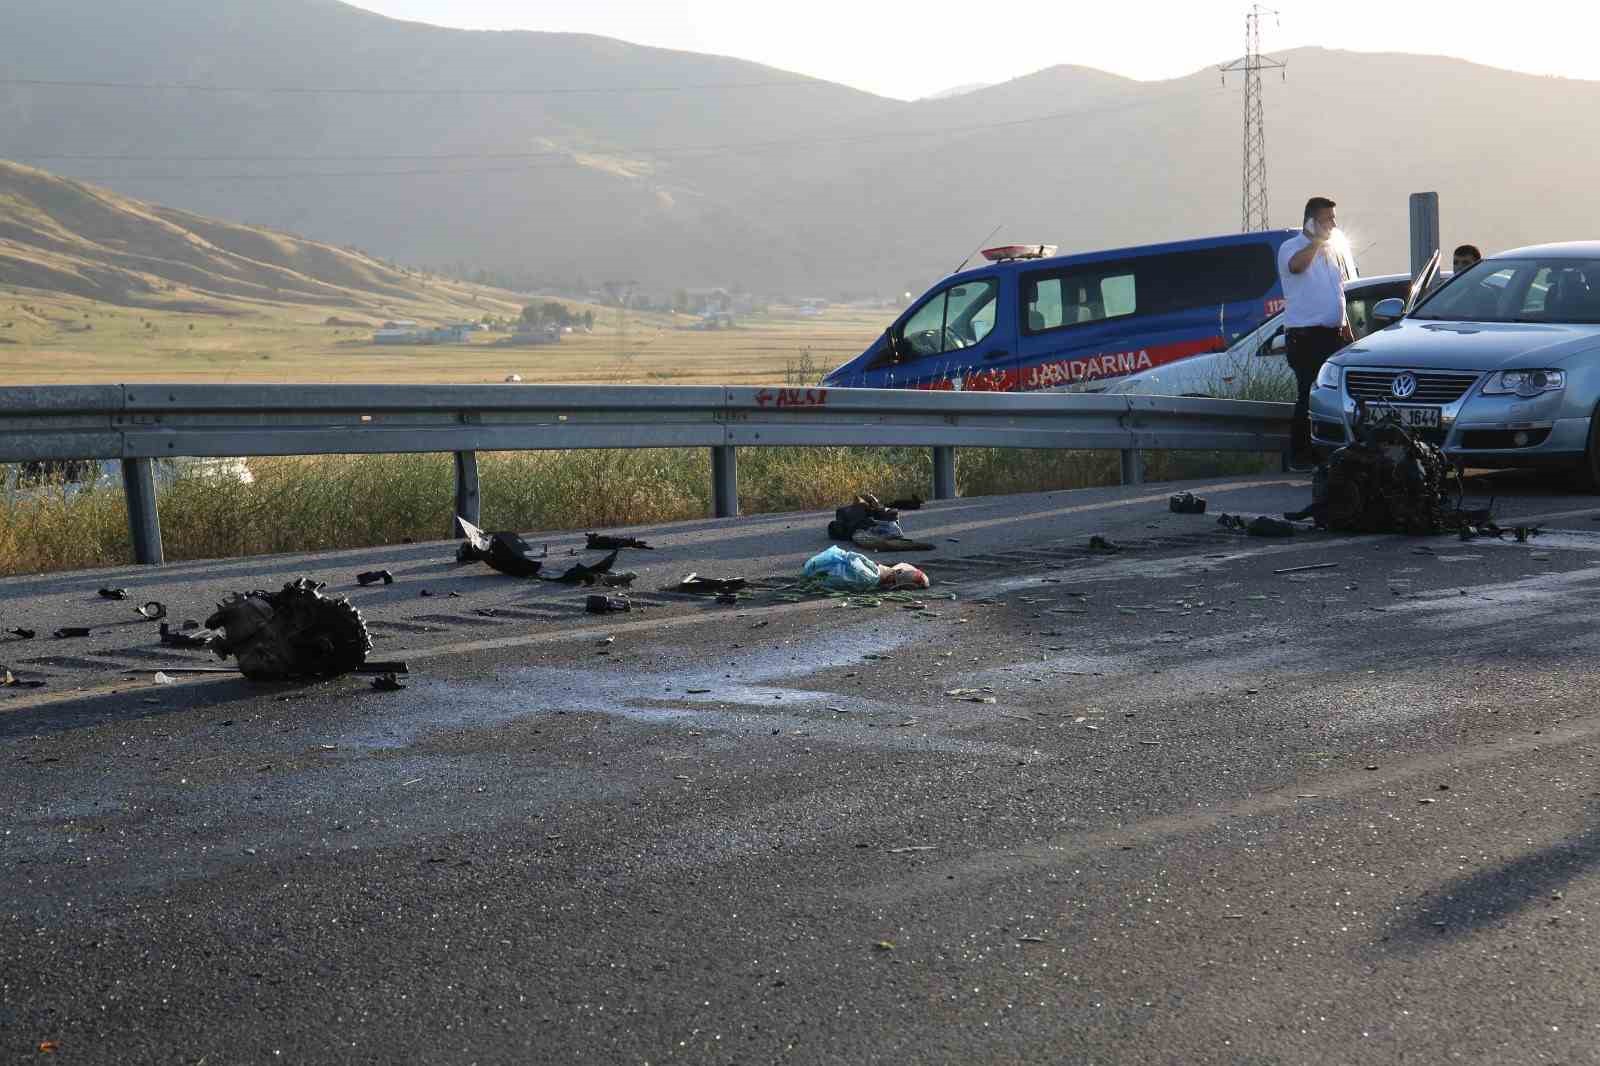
336,502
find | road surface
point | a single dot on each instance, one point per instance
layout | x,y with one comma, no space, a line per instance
1169,805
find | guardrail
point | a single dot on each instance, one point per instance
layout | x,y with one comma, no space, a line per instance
140,423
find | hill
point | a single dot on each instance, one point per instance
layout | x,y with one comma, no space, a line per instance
548,164
62,236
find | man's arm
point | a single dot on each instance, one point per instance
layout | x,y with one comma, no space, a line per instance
1302,259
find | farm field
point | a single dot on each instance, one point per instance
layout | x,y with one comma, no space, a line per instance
48,339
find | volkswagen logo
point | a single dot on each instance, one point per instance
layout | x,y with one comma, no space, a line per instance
1404,385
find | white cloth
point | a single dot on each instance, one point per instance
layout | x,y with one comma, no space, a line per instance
1315,296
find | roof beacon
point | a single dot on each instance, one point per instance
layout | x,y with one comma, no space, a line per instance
1019,251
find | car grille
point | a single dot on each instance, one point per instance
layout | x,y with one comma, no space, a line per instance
1440,387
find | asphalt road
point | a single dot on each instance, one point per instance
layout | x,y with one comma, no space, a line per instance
1169,805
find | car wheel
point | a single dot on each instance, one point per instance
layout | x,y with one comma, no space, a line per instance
1587,477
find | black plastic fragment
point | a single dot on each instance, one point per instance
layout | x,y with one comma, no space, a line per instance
1097,543
696,585
173,638
114,594
1187,503
22,634
67,632
587,573
372,577
602,542
607,604
387,683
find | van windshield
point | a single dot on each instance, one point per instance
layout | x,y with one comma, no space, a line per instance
1519,290
955,318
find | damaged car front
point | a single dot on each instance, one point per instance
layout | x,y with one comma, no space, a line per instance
1500,367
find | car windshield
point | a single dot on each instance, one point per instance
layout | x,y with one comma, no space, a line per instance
1519,290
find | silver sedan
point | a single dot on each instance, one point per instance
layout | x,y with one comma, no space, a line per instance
1500,366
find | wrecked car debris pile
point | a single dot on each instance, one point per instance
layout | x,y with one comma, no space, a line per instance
1387,481
294,633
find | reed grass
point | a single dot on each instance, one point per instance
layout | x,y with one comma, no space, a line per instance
337,502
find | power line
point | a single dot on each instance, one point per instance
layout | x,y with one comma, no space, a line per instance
1253,191
564,157
296,90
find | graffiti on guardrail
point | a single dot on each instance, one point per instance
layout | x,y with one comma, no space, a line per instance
792,398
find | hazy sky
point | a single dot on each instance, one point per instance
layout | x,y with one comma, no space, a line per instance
908,50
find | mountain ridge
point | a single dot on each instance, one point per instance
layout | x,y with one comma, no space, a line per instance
799,187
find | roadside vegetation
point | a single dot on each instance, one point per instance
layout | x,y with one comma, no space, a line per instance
335,502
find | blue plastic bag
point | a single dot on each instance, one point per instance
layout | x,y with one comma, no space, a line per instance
846,571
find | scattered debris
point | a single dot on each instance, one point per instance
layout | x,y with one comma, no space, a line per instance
1260,526
585,573
884,945
387,683
1097,543
862,514
619,581
1187,503
297,632
1303,569
10,680
728,599
505,552
607,604
153,611
425,594
165,679
175,639
888,537
114,594
600,542
67,632
22,634
696,585
372,577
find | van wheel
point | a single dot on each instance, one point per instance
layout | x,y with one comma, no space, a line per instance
1587,475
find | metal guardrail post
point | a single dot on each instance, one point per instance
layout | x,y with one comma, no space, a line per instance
944,473
725,482
1132,467
468,502
144,522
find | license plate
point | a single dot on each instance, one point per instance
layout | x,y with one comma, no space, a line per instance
1410,417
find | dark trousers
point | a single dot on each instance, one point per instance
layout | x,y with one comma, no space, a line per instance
1308,347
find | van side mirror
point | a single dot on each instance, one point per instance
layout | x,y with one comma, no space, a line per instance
1277,344
1387,312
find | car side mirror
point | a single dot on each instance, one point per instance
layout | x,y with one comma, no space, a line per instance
1387,312
1278,344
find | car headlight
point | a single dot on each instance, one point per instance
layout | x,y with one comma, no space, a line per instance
1524,382
1328,376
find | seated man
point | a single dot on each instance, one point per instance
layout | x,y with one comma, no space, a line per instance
1465,257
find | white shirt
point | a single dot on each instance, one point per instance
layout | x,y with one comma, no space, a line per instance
1315,296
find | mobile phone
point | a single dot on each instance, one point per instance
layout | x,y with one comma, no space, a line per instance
1310,228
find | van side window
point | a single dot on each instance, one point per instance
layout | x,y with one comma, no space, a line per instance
953,319
1149,285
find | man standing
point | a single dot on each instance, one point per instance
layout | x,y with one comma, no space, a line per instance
1313,272
1465,258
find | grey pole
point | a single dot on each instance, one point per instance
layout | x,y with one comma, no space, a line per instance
1132,467
725,481
468,503
144,522
944,473
1424,229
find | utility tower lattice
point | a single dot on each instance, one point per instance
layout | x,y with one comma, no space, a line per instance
1253,194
